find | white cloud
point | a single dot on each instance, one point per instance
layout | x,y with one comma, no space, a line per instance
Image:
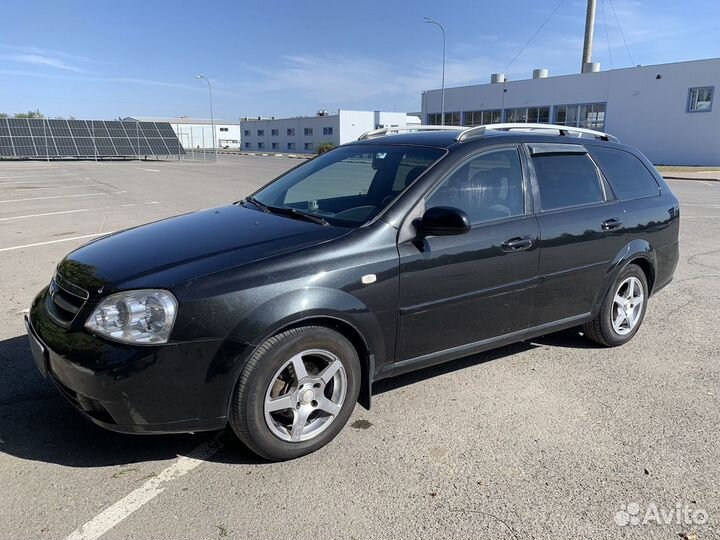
40,60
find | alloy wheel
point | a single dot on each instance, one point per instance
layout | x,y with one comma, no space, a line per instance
305,395
627,305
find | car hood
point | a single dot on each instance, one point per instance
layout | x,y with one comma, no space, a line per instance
190,245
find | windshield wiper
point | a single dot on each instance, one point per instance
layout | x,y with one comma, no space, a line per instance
286,211
298,214
260,205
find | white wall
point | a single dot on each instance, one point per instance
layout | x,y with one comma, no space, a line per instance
642,110
199,136
346,126
299,139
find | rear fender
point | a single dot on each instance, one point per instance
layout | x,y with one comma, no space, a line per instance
637,249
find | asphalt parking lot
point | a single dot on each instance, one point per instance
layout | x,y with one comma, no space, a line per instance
542,439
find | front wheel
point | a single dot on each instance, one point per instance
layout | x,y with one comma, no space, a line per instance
622,311
296,392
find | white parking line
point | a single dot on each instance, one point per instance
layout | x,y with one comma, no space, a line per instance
13,248
694,182
699,205
108,518
30,188
62,197
76,211
37,176
55,180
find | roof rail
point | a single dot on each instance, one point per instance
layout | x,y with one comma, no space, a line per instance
479,131
410,127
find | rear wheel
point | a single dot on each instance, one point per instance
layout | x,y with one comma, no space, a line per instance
296,392
622,311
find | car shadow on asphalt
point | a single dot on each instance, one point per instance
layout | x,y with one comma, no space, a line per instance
571,338
38,424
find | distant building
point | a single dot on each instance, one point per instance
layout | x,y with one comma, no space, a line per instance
196,133
665,110
304,134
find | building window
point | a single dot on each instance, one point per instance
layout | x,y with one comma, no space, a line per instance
261,132
261,145
247,146
592,116
308,146
327,131
586,115
223,129
291,132
528,115
479,118
701,99
308,132
246,133
275,145
275,132
433,119
451,119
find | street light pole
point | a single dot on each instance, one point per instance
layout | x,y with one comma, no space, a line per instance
212,120
430,20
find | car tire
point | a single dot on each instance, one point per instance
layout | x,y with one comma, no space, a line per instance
622,311
296,392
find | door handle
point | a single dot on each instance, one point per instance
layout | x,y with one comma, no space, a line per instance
517,244
611,224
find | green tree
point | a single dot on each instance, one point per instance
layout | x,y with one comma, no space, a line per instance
4,115
30,114
325,147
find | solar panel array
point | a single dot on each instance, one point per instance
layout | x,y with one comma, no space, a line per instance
43,138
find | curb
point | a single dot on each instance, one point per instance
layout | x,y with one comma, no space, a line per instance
691,178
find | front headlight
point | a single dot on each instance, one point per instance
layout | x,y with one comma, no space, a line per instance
143,317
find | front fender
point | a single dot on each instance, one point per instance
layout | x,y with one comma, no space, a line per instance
636,249
293,307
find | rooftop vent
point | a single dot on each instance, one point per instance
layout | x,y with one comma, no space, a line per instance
540,73
322,113
496,78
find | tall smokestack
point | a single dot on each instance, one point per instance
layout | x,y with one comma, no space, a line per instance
589,32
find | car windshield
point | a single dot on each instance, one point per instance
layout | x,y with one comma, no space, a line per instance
347,186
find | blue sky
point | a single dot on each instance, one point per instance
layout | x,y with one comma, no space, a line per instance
97,59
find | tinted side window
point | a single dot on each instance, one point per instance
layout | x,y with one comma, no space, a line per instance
627,175
487,187
567,180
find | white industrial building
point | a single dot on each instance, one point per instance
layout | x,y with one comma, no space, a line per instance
197,133
304,134
665,110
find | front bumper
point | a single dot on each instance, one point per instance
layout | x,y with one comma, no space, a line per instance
178,387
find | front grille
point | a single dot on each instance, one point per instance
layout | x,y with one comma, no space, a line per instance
65,300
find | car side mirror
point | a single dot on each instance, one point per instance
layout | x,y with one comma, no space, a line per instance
443,221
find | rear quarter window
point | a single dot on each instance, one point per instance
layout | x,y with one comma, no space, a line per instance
567,180
628,176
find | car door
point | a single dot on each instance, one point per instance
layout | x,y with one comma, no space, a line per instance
460,290
581,230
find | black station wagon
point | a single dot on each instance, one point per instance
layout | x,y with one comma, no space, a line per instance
406,248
